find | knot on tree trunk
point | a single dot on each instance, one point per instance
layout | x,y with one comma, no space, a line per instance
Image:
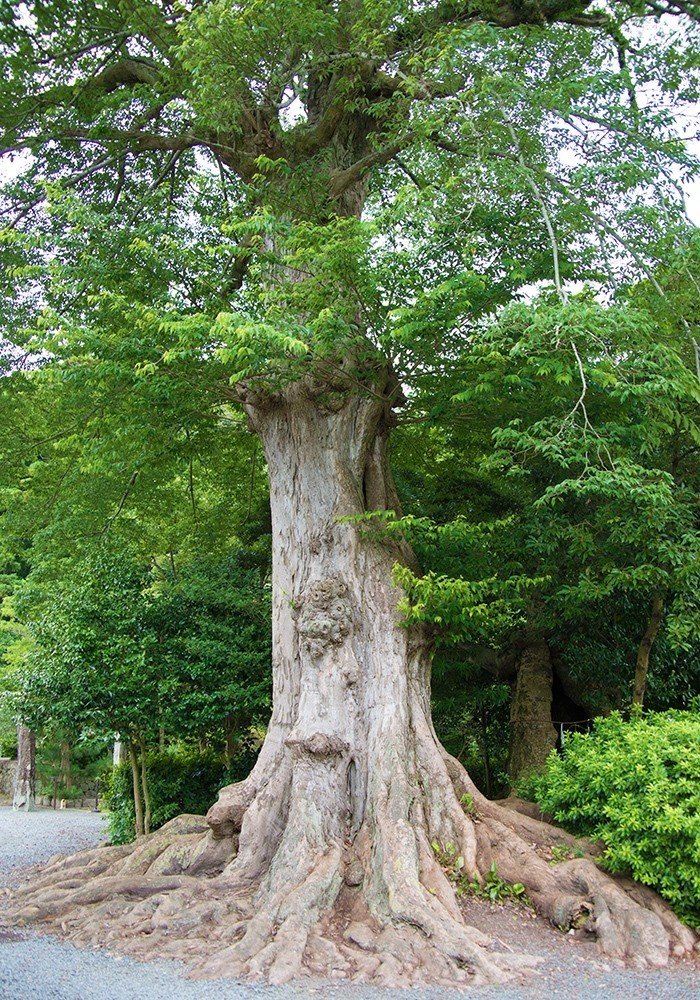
316,745
324,616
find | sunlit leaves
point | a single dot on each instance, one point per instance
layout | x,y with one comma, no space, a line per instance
634,786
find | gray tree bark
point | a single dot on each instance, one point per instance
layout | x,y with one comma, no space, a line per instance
25,781
532,735
330,856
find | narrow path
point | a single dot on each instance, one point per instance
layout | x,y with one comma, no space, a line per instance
34,967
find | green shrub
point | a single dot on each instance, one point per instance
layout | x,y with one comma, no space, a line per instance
117,795
180,780
636,786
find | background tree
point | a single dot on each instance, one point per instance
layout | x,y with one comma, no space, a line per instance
116,652
601,439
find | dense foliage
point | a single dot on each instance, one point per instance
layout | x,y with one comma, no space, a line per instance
187,218
635,785
181,780
119,651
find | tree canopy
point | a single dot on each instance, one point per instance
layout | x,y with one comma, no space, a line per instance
457,226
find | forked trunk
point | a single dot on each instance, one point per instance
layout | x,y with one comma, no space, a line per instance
329,858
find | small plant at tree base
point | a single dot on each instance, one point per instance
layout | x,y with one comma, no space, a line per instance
563,852
449,860
497,890
492,888
467,802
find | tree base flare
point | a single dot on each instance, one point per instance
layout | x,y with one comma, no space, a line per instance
356,910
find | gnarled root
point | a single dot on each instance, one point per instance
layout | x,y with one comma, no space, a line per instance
314,898
629,921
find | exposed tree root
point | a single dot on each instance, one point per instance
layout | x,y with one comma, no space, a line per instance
630,921
375,908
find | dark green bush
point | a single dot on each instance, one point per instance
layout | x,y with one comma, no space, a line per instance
636,786
180,780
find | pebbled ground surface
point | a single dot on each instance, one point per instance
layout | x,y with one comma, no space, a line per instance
34,967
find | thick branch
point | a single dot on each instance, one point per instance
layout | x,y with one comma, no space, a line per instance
126,73
341,180
505,14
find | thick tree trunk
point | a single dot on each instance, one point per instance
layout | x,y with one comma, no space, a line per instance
641,671
327,857
533,735
25,781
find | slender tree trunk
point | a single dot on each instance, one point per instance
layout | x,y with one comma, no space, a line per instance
145,786
118,755
483,725
65,775
136,784
643,653
25,781
230,737
533,736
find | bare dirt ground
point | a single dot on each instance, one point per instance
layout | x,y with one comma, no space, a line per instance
36,967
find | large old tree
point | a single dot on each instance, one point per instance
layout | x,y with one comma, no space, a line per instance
305,210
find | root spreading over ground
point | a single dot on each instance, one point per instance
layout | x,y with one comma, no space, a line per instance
232,895
323,861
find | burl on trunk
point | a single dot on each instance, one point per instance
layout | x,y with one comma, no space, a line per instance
324,859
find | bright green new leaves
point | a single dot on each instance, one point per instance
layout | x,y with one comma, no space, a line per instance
473,596
636,786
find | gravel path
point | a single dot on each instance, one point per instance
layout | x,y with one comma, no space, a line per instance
29,838
33,967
